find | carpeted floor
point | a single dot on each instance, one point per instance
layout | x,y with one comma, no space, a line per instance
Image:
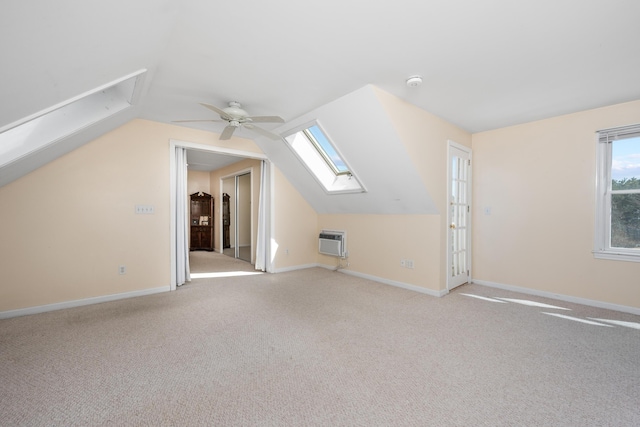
317,347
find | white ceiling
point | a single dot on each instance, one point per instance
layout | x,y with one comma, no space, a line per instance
486,64
206,161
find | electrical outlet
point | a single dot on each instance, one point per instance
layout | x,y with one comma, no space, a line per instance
406,263
286,251
145,210
122,269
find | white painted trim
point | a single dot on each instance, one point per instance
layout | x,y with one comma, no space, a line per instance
294,268
133,99
219,150
452,144
271,220
395,283
617,256
173,144
80,302
560,297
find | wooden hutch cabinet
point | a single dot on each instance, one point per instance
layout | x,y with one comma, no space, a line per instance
201,217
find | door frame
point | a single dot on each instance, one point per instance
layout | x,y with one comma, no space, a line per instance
452,144
173,145
235,175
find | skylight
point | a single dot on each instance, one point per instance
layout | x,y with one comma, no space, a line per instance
324,147
45,127
313,147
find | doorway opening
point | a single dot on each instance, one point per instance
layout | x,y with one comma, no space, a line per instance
180,271
458,215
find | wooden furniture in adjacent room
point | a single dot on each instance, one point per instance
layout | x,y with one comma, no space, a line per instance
226,221
201,218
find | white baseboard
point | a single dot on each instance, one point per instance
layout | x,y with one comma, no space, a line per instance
295,267
560,297
389,282
80,302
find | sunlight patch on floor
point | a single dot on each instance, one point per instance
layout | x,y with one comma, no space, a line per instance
576,319
533,303
484,298
632,325
223,274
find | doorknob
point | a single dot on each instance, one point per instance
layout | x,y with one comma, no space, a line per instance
452,226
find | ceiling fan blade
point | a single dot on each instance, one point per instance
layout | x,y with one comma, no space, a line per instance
227,132
217,110
193,121
263,132
266,119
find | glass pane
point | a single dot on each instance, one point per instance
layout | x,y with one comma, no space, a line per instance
331,153
463,170
462,191
625,164
625,220
454,168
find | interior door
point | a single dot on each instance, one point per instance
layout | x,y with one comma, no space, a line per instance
459,215
237,240
243,248
229,228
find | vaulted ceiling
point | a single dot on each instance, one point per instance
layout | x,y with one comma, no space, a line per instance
485,64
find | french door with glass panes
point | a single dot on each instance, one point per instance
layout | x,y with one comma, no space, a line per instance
459,215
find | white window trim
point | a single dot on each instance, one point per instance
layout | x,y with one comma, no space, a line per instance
331,182
602,235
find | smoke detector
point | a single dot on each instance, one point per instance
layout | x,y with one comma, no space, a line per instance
414,81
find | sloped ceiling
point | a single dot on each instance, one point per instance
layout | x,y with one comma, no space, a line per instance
485,64
374,152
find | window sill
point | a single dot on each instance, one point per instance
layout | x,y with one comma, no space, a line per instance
617,256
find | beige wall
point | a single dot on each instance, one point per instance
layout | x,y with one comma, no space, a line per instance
198,181
377,243
538,179
68,226
295,226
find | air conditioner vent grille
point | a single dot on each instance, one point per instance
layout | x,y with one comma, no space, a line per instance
332,243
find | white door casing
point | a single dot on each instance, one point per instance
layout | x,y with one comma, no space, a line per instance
458,215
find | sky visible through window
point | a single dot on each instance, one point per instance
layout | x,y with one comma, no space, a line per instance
328,148
625,161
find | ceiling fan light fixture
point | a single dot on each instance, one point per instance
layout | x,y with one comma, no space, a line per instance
235,110
236,117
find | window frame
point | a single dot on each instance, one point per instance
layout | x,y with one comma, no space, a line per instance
319,165
602,245
323,153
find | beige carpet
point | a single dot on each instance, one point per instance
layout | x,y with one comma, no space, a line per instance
321,348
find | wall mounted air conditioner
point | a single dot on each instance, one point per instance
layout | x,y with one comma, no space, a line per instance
332,242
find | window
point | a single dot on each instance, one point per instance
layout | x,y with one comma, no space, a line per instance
315,150
41,129
618,194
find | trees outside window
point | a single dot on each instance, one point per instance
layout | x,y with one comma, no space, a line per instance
618,194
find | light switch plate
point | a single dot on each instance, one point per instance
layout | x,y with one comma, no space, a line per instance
145,210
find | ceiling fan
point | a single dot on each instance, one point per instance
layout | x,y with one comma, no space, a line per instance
237,117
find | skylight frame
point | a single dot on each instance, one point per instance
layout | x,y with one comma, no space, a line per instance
46,127
317,161
323,152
